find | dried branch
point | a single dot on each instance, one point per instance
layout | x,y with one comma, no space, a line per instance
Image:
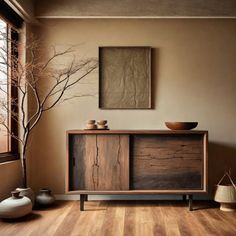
28,78
11,133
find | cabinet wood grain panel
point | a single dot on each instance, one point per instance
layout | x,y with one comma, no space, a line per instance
167,162
99,162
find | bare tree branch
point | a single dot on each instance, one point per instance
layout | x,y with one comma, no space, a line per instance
28,79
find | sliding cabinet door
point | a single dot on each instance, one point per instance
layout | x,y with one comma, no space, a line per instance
167,162
99,162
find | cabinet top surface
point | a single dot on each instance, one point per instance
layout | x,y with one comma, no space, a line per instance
136,131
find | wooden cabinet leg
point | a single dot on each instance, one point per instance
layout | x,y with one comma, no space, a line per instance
190,202
86,197
184,198
82,198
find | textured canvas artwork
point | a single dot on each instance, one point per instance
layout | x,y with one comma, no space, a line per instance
125,77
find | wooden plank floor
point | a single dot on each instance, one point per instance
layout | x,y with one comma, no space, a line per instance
115,218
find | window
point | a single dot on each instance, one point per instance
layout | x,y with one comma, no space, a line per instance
8,146
4,136
9,22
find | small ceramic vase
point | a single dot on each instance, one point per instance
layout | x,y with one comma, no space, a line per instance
91,126
15,206
102,122
27,192
102,127
92,122
45,197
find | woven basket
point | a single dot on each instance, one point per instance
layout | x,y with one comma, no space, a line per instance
226,194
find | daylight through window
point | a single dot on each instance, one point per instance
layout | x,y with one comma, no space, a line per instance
4,91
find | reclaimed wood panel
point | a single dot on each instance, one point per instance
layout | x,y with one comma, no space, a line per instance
167,162
99,162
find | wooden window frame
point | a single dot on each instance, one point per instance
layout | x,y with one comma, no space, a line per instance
13,93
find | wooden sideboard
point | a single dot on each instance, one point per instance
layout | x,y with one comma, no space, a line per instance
136,162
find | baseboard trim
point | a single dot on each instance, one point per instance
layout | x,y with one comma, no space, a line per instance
65,197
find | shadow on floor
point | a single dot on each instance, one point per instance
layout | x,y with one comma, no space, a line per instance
31,217
56,205
197,205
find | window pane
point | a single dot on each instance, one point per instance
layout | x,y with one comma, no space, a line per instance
4,137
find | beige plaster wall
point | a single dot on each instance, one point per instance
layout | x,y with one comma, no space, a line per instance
10,175
193,80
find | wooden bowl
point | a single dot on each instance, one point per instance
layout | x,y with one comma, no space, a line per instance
181,125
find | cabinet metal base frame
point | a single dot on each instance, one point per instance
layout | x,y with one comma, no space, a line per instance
84,197
190,202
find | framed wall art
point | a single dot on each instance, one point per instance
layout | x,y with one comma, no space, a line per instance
125,77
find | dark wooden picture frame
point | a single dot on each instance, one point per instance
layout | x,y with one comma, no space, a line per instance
125,77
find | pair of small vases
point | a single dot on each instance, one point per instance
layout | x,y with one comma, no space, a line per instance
22,201
43,198
101,124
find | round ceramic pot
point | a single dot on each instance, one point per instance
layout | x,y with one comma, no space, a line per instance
27,192
15,206
102,122
91,122
45,197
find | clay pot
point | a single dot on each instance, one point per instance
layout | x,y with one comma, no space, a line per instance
102,127
92,122
27,192
15,206
102,122
45,197
91,126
